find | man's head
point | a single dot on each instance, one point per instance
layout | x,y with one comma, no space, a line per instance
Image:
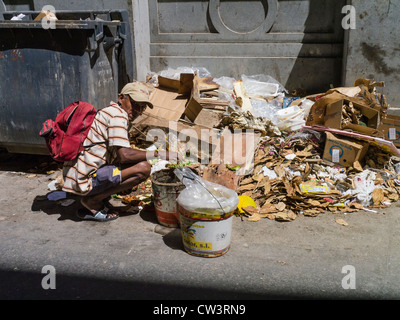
134,98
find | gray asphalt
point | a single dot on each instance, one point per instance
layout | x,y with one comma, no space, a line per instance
134,257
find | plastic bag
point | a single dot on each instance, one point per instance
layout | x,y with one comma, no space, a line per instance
264,109
159,165
225,82
306,133
202,196
176,73
262,85
225,91
291,118
306,105
364,186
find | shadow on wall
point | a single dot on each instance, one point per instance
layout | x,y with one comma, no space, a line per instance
319,64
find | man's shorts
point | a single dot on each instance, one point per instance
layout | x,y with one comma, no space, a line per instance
105,178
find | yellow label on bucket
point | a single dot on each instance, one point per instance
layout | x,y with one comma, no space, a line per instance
194,244
204,216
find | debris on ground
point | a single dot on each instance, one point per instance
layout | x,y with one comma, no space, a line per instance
325,152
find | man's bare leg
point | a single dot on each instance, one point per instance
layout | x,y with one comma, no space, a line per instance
130,177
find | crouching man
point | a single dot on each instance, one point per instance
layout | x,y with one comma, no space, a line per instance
108,164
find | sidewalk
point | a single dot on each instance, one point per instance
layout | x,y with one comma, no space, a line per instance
134,257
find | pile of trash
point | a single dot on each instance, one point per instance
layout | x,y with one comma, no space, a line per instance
327,152
291,178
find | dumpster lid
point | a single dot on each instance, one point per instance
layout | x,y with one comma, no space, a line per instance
94,22
64,24
83,15
74,32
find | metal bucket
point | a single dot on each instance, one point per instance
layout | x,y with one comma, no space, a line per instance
205,235
166,188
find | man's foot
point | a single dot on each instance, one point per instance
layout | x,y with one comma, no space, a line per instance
92,213
101,215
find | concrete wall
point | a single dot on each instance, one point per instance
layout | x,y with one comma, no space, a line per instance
373,49
298,42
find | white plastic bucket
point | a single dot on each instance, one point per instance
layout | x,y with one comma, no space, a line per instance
205,236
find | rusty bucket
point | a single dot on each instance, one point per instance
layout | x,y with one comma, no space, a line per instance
166,188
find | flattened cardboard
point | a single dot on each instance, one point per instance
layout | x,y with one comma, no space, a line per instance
347,91
168,104
390,128
344,151
236,149
207,84
209,118
208,140
222,175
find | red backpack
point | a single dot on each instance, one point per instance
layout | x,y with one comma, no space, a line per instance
65,136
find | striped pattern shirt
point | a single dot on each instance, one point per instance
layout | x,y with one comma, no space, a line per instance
109,129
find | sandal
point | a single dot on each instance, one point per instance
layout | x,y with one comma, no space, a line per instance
102,215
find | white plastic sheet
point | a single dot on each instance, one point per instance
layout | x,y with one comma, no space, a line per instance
291,118
262,85
171,73
202,196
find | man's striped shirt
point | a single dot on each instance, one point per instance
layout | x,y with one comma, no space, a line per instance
109,129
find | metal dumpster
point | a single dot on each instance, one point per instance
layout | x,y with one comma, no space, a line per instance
88,56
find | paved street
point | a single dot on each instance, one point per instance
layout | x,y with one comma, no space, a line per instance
135,258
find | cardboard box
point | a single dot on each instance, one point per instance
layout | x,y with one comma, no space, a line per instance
344,151
188,87
168,83
193,109
385,145
390,128
193,106
317,112
333,118
184,85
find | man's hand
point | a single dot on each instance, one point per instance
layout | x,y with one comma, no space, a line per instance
129,155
